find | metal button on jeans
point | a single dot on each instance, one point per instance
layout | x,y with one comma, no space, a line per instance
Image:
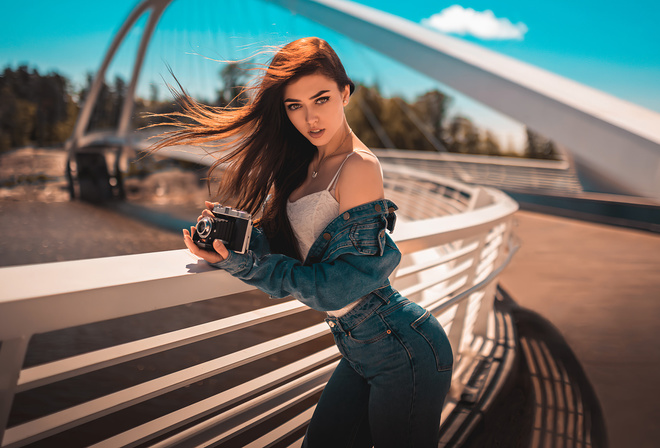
331,323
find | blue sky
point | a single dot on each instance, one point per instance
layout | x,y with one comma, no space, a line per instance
613,47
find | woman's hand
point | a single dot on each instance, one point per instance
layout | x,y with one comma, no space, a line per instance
219,253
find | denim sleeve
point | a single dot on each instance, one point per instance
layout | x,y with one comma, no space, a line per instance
324,286
258,242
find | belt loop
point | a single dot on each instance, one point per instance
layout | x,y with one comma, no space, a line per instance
384,293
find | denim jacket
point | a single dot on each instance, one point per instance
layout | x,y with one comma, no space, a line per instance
352,257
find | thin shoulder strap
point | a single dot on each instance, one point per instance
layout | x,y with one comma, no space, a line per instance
334,179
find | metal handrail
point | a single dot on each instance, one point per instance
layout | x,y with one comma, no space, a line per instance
447,262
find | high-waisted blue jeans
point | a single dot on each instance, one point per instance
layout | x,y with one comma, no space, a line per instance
389,388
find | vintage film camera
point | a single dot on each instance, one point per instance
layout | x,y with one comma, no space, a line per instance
232,227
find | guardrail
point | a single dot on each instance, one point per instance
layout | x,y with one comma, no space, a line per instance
508,173
177,353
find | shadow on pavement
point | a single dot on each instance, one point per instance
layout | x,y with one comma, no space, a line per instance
547,400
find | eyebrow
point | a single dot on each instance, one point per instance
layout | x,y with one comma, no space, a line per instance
291,100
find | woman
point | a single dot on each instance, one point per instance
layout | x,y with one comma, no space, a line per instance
321,238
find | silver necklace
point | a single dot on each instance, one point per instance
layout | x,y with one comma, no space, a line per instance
315,172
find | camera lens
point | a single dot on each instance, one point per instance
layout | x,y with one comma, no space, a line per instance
204,227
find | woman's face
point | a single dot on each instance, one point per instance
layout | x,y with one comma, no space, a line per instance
315,105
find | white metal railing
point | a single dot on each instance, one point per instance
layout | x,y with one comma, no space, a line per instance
455,239
508,173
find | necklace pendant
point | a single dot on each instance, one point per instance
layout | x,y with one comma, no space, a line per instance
314,174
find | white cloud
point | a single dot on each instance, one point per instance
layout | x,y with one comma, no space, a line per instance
484,25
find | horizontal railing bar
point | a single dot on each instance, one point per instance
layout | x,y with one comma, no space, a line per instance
492,245
93,409
487,261
238,419
112,284
283,431
450,274
422,156
448,203
414,195
415,268
77,365
495,232
200,409
464,369
436,304
412,236
513,248
484,273
298,443
234,430
392,169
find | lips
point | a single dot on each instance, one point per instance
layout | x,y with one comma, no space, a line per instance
316,133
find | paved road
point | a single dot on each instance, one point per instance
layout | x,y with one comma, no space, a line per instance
600,286
33,232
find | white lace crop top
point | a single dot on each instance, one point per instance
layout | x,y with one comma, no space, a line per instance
311,214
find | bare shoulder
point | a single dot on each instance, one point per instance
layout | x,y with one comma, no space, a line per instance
361,181
363,165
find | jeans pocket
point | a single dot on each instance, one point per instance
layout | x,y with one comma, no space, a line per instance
371,330
430,329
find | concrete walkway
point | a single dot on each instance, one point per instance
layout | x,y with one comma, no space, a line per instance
600,286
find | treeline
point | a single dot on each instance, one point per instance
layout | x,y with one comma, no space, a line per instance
423,125
42,110
35,108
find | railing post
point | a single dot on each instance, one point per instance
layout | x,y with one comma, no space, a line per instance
12,355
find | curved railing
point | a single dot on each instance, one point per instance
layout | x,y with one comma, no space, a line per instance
187,354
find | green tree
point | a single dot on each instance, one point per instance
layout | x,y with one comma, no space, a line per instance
490,145
539,147
233,77
34,107
432,107
365,99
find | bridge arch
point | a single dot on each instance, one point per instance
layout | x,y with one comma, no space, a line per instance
613,138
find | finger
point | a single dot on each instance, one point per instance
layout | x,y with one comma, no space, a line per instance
196,250
192,247
210,205
220,248
192,231
199,218
208,213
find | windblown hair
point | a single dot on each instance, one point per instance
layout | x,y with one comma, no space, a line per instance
266,155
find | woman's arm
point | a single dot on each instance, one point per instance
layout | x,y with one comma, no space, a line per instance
358,258
339,280
332,283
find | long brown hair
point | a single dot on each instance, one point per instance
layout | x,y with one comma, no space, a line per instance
266,155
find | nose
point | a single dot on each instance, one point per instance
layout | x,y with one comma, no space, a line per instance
312,117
